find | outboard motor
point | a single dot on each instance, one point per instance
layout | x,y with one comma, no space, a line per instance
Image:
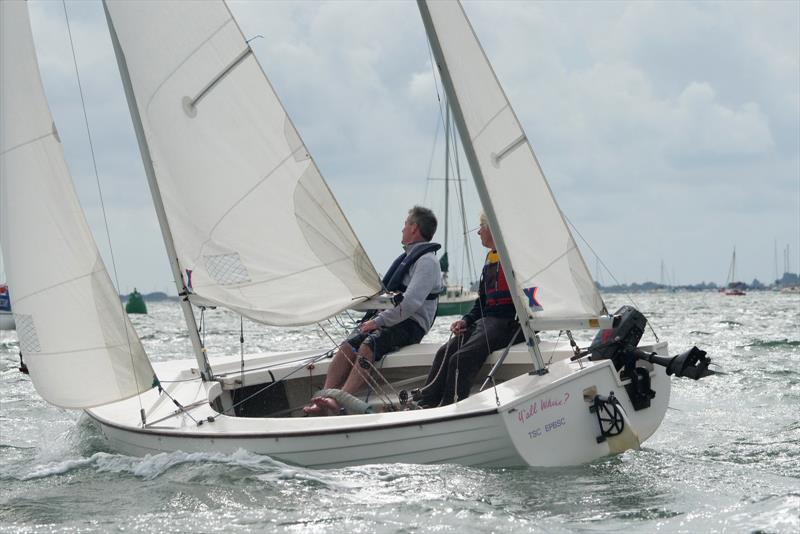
615,343
618,344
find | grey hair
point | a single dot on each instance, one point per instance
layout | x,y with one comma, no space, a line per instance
425,221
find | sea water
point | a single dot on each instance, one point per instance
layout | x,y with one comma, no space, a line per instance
725,459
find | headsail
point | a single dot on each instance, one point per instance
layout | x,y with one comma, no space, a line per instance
255,227
79,346
549,269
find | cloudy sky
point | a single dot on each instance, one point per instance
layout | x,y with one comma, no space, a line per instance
669,131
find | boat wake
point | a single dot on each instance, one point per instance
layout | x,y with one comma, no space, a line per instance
151,467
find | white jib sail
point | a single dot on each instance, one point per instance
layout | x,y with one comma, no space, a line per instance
70,322
254,224
542,250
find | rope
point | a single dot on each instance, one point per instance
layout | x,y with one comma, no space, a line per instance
241,348
103,208
305,363
597,256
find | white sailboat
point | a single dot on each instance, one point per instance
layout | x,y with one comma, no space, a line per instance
732,287
456,299
232,183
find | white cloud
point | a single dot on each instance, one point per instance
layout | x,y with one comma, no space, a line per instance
654,122
705,129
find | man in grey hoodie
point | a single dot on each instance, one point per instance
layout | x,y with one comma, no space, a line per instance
415,275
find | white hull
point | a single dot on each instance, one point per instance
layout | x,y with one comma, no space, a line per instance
540,420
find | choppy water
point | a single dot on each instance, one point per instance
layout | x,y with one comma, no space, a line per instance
726,458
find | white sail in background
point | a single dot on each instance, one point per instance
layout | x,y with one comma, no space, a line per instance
70,323
251,217
541,249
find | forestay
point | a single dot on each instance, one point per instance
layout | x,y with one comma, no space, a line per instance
255,227
70,322
550,271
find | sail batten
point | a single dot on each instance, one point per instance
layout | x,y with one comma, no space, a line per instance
255,227
75,337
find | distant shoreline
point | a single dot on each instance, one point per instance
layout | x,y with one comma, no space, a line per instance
787,280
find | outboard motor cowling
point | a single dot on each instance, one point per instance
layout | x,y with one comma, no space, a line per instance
618,344
613,343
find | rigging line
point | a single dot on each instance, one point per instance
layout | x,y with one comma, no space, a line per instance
333,341
241,348
372,383
430,162
385,380
305,363
467,247
103,207
436,84
181,408
368,379
555,346
433,72
611,274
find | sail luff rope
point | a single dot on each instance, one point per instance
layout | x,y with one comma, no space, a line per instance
103,208
430,162
611,274
470,266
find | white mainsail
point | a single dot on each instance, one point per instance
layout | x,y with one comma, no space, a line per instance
79,346
255,227
550,272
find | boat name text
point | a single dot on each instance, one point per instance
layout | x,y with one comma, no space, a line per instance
535,407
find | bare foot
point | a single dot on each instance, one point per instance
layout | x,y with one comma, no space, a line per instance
312,409
329,405
322,406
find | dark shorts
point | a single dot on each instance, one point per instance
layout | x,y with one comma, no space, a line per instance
388,339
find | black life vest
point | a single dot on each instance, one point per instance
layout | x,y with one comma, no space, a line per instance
393,280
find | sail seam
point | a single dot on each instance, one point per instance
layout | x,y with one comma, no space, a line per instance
198,289
489,122
63,283
327,216
123,346
546,267
34,140
246,194
185,60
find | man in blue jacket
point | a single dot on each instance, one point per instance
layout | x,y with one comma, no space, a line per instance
417,276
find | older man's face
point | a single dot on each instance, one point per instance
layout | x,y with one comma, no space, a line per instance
410,233
486,236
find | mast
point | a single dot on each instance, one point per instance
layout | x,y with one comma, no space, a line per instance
483,193
183,291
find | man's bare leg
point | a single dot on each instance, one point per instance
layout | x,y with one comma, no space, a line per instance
338,370
358,376
340,367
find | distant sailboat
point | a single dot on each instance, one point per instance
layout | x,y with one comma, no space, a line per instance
6,316
732,287
456,299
